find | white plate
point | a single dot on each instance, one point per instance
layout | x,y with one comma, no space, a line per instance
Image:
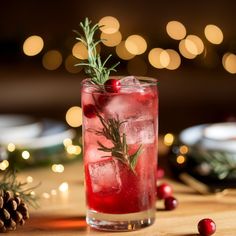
200,136
14,127
49,133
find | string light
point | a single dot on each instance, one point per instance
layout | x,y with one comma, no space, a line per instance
52,60
25,155
80,51
213,34
111,40
11,147
74,116
67,142
183,149
73,149
174,61
109,25
63,187
29,179
176,30
33,45
58,168
136,44
184,46
229,62
122,52
180,159
168,139
197,44
4,165
154,58
70,63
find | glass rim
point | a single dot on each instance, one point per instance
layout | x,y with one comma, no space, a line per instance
145,81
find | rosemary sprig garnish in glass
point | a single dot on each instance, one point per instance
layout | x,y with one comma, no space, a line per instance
119,150
94,67
99,74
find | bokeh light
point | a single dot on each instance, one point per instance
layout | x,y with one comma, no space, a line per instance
164,58
229,62
11,147
180,159
67,142
80,51
169,139
185,46
111,40
70,63
33,45
4,165
136,44
109,25
74,116
154,58
213,34
64,187
58,168
52,60
176,30
183,149
174,61
25,155
197,42
122,52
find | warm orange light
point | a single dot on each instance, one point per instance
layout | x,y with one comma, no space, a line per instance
70,63
174,61
74,116
185,46
80,51
52,60
176,30
109,25
229,62
197,44
136,44
33,45
111,40
154,57
180,159
122,52
213,34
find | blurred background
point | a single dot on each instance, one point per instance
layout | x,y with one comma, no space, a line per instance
189,47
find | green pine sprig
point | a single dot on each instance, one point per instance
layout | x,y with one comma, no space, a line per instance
94,67
9,182
119,150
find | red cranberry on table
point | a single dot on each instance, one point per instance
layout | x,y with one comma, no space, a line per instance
112,86
170,203
206,227
164,190
89,110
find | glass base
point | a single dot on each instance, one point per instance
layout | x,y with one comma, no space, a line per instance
120,222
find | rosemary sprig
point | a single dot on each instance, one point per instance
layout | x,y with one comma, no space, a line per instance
120,149
9,182
94,67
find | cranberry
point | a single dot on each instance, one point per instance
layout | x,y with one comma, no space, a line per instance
164,190
103,100
112,86
89,110
206,227
170,203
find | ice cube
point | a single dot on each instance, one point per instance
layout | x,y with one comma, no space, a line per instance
105,178
130,84
139,131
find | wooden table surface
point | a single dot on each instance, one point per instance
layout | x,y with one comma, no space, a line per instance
63,213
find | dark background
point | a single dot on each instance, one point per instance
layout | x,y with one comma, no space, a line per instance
200,91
